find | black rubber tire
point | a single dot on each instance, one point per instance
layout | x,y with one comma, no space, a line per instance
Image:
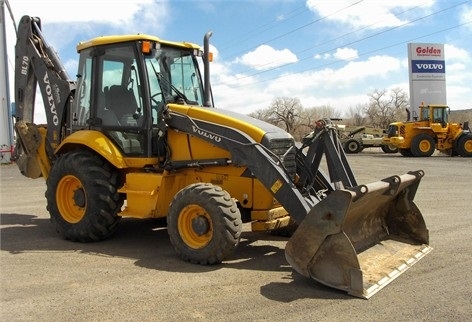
405,152
464,145
210,209
352,146
82,197
422,145
387,148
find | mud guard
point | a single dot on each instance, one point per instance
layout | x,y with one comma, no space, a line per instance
361,239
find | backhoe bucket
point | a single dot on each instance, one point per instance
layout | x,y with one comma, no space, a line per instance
359,240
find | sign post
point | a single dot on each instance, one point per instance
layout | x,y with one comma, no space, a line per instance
427,74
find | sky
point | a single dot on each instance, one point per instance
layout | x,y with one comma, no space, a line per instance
323,52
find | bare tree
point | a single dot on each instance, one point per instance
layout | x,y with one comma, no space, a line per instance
313,114
285,112
261,114
356,115
309,116
385,107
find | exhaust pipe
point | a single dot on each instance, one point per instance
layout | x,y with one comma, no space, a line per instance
206,69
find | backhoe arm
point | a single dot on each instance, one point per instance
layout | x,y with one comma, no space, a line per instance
37,64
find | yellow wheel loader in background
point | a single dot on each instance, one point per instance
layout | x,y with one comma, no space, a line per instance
420,138
136,135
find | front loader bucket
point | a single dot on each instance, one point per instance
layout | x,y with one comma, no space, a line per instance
359,240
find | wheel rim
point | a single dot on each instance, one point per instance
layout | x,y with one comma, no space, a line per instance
424,146
468,146
352,146
71,199
195,226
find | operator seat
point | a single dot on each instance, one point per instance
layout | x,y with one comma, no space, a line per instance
104,112
122,102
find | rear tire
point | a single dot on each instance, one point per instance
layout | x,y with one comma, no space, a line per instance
352,146
387,148
204,224
464,145
82,197
422,145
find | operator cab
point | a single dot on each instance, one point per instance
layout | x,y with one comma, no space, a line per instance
124,84
435,114
440,115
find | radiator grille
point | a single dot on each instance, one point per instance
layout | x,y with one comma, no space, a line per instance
283,149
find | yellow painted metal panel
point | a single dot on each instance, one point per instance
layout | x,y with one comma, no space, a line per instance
270,225
101,144
212,115
142,190
105,40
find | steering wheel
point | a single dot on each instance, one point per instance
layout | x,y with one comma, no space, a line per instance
155,100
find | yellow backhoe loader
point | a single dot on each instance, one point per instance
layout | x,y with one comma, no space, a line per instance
137,135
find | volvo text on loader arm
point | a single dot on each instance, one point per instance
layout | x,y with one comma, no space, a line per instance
136,135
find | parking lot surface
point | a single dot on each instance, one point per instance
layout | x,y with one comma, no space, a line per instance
136,276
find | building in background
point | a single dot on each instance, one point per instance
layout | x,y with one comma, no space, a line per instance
6,121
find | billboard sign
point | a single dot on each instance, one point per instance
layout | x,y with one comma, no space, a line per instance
427,74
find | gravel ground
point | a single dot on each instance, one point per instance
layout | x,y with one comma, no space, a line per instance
136,276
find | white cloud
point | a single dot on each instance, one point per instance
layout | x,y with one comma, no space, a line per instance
280,18
456,54
340,54
314,88
378,66
324,56
457,72
466,16
346,54
265,57
90,17
342,87
455,95
367,13
112,12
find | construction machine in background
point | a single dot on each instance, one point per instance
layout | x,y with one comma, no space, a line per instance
354,139
433,131
137,135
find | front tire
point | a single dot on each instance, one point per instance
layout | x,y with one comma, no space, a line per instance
422,145
464,145
82,197
204,224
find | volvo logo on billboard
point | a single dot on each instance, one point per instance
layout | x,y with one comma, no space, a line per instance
428,66
427,74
